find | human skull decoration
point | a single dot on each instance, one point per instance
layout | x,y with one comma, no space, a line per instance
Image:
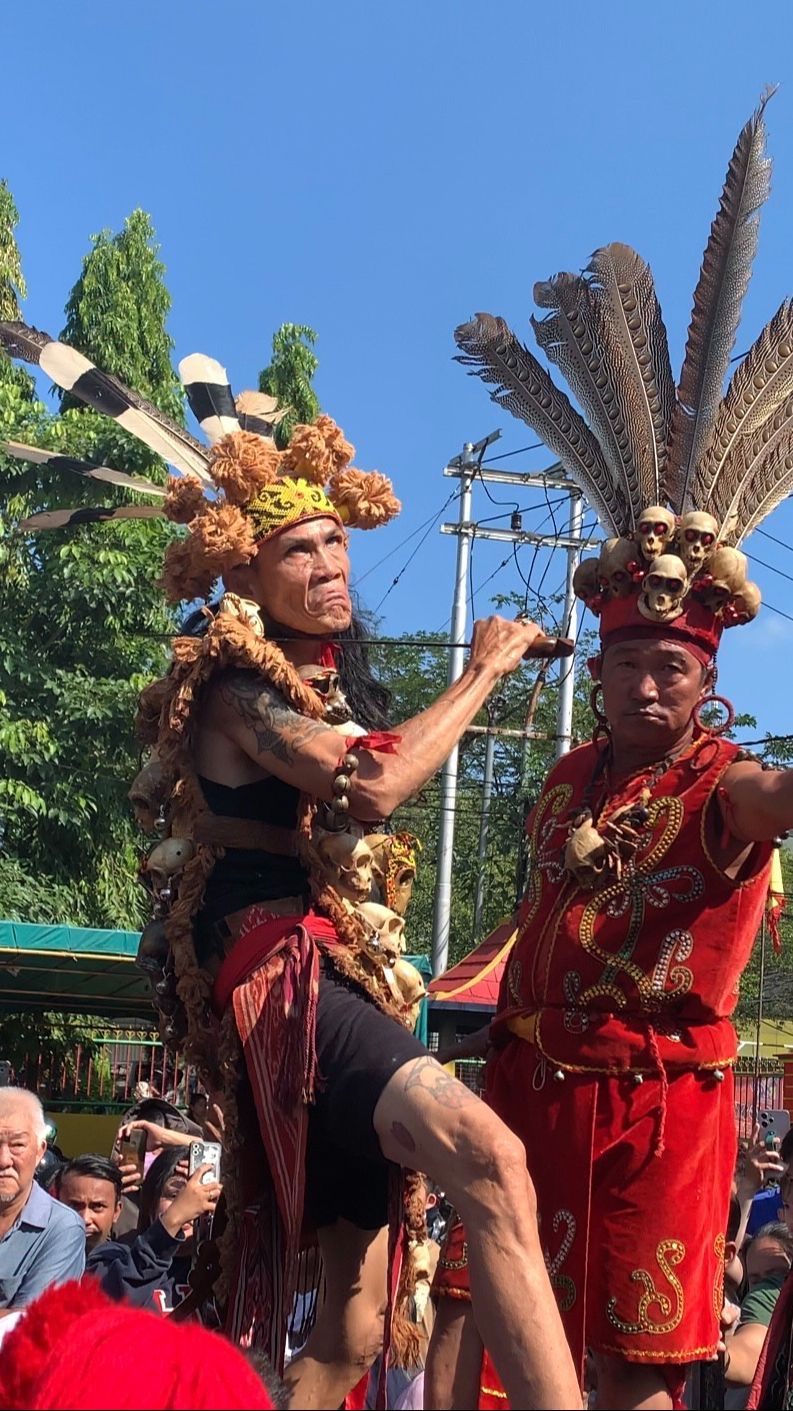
697,537
743,606
586,855
410,983
655,532
347,862
395,856
389,927
166,862
726,576
148,794
586,580
618,564
663,589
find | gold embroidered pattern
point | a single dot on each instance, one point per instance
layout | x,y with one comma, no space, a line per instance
562,1285
718,1283
544,860
640,886
668,1255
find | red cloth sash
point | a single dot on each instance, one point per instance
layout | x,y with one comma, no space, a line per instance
255,945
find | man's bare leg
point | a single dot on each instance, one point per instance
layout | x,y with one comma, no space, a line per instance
348,1334
626,1386
454,1358
427,1119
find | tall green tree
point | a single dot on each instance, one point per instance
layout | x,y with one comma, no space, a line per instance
289,376
117,311
83,625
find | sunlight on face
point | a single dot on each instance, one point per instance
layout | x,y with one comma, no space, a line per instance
650,691
301,578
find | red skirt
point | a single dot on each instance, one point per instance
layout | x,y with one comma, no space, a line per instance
633,1184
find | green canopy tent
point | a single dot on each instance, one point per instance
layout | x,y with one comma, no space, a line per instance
73,970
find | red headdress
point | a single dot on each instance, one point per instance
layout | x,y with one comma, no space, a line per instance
679,476
74,1348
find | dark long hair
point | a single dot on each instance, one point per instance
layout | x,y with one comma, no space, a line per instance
154,1183
369,700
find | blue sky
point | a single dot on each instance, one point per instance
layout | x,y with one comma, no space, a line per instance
380,171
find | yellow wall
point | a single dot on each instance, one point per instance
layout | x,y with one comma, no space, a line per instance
79,1132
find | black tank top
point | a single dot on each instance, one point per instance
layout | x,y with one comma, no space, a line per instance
246,876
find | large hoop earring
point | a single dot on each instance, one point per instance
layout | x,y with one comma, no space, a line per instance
601,719
721,728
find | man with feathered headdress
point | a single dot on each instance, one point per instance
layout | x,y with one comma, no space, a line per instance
267,767
650,847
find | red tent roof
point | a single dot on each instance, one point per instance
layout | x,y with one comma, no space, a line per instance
476,978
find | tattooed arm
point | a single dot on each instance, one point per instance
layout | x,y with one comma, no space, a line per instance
253,715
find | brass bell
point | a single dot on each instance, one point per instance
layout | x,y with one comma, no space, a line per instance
638,1078
351,762
341,784
341,804
558,1076
718,1075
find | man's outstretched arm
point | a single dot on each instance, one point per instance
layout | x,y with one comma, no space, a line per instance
306,752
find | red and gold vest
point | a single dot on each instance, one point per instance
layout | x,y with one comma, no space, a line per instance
644,970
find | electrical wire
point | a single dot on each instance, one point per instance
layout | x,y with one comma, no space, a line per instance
535,446
431,520
411,556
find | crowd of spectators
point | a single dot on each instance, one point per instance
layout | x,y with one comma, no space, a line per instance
129,1230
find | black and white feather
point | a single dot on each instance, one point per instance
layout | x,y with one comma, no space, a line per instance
71,465
87,514
75,373
209,395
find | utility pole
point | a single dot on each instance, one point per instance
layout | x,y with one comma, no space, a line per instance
484,821
564,706
464,468
441,920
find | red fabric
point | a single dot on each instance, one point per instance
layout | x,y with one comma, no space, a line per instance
697,627
275,1014
645,969
76,1350
381,740
255,945
329,654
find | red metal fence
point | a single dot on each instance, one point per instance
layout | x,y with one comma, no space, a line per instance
104,1072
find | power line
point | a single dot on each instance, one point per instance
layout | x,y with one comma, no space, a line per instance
771,566
431,520
535,446
406,565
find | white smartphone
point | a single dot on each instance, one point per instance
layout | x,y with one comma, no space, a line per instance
774,1123
200,1154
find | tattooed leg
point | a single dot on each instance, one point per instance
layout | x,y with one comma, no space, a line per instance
429,1121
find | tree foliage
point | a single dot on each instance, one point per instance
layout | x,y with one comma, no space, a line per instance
83,625
288,376
116,313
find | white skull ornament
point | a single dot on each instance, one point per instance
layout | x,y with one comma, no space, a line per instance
663,590
697,538
586,855
347,862
618,562
655,532
165,862
390,929
410,984
743,606
726,577
586,580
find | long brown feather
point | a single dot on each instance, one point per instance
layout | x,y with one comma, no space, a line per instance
574,337
522,386
723,281
773,483
760,385
624,286
741,482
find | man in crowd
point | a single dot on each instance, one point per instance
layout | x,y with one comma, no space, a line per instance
41,1241
91,1186
651,846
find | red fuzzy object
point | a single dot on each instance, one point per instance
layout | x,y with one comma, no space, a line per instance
74,1348
697,628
